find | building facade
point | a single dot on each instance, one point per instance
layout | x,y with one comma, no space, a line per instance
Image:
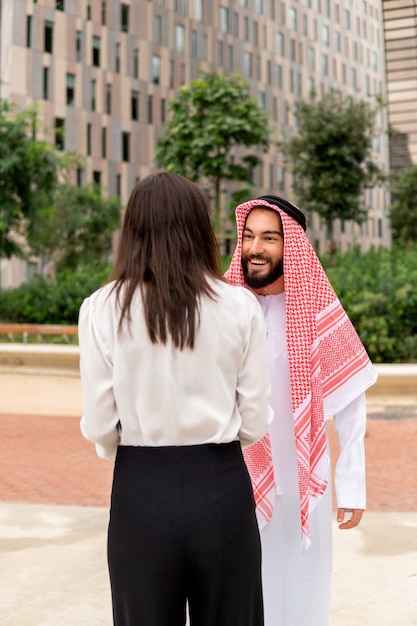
103,71
400,30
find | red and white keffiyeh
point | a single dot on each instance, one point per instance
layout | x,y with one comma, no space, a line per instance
328,365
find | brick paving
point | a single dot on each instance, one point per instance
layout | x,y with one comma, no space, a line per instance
45,460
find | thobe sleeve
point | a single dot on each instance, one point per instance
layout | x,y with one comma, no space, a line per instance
100,420
350,482
253,385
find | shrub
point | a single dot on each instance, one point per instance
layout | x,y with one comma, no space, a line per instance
378,291
57,301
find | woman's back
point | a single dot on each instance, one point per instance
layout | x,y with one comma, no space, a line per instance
168,396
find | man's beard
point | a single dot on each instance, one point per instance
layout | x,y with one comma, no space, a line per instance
258,281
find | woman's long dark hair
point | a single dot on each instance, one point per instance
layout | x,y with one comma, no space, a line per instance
168,249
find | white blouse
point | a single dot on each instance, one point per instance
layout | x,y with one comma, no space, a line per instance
143,394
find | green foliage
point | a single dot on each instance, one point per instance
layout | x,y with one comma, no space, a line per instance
331,157
55,301
29,170
77,229
403,211
210,118
378,292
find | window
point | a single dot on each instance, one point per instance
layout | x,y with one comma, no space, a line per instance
136,63
60,5
28,31
45,83
325,35
220,53
259,6
292,50
246,28
280,177
255,33
247,64
124,18
205,47
89,9
258,68
293,19
171,73
163,110
48,32
70,90
324,64
134,104
97,177
346,18
78,45
374,61
93,95
194,49
150,109
198,7
96,51
59,133
88,139
179,38
108,98
280,44
269,72
126,147
117,58
182,76
311,59
278,75
79,177
118,185
157,29
337,41
236,24
156,69
354,78
230,57
224,19
104,142
103,12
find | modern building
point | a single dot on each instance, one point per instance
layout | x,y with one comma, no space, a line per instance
400,28
103,71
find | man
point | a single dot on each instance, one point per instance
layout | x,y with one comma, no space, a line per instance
319,369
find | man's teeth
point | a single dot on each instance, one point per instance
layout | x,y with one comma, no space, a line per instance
258,262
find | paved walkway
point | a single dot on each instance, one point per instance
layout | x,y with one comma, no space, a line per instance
54,494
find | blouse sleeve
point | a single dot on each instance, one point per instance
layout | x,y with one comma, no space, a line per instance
350,482
99,423
253,385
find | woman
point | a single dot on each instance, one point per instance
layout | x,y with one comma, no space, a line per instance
175,381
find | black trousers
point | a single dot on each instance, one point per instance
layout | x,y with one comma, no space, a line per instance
183,528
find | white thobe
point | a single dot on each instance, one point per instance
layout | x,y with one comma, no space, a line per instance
297,584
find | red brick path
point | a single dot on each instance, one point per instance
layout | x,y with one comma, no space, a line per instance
46,460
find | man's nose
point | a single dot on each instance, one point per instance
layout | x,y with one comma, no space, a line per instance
256,246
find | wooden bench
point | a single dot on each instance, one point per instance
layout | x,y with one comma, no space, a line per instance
37,329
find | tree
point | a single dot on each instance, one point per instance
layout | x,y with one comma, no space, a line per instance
29,172
77,229
331,158
211,118
403,211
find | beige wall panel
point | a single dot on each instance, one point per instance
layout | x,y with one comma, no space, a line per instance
18,79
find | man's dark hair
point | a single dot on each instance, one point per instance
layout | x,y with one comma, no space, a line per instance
168,250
